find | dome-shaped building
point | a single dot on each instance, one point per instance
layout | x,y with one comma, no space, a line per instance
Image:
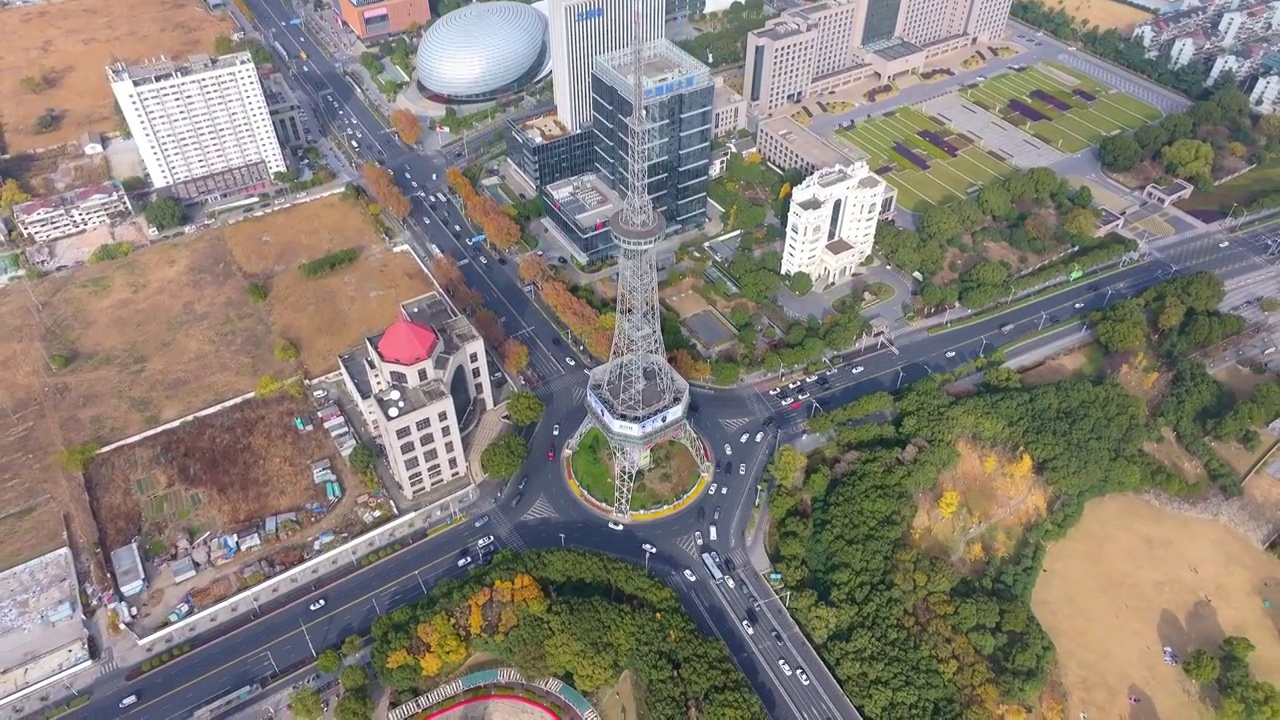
482,51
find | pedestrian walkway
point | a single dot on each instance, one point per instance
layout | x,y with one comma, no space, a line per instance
491,425
568,383
506,531
541,509
689,544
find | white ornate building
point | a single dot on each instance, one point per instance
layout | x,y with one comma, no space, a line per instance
831,226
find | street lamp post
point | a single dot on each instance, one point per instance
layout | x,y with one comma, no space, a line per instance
646,560
983,348
1043,316
1107,299
561,539
902,374
420,583
306,635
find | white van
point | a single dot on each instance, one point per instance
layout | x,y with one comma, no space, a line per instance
712,530
129,701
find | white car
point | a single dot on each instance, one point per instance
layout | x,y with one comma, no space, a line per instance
484,541
804,676
697,537
569,361
787,400
775,391
464,561
649,548
728,580
317,604
949,354
746,625
688,575
1224,243
426,220
320,394
744,437
555,429
811,378
414,183
615,525
759,436
786,669
407,176
831,371
728,450
804,395
793,385
711,490
857,369
484,260
742,470
1078,305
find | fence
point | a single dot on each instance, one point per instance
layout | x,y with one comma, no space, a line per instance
501,677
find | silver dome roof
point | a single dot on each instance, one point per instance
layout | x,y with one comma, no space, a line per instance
480,47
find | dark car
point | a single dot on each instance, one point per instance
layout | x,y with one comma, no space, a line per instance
516,500
563,260
523,481
556,342
777,637
716,515
702,514
769,421
502,260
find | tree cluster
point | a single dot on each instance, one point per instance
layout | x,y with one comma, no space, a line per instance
11,193
1243,696
1190,145
726,45
165,214
500,230
1179,313
504,456
407,125
906,632
573,615
592,327
524,408
382,187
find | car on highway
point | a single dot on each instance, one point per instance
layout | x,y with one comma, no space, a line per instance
742,470
1224,243
702,514
729,581
786,669
746,625
711,489
759,436
649,548
484,260
484,541
464,561
1078,305
775,391
555,430
615,525
407,176
715,557
794,385
777,636
856,369
744,437
414,184
481,521
715,515
728,450
126,702
697,537
949,354
570,362
804,677
316,605
823,382
516,500
523,481
810,378
551,451
832,371
786,400
688,575
804,395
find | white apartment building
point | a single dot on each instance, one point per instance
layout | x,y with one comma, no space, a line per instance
1264,98
418,383
831,226
71,213
203,127
580,31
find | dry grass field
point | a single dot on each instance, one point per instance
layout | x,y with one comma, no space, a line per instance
1104,14
1131,578
163,333
72,42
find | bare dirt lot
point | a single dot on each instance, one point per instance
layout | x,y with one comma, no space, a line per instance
682,300
163,333
1084,361
214,472
1132,578
56,170
1105,14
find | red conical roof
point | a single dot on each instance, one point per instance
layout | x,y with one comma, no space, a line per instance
407,343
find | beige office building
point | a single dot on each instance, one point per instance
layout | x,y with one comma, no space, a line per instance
831,226
418,384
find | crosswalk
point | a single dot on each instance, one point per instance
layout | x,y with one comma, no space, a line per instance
735,423
507,532
569,383
541,509
109,663
690,545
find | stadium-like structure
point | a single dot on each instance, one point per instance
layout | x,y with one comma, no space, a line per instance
483,51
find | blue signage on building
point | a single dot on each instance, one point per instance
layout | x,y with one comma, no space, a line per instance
669,88
590,14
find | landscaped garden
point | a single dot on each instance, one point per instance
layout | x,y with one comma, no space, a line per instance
671,474
746,191
925,160
1061,107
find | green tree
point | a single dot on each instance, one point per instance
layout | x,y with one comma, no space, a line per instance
1270,305
788,466
1080,222
77,457
1123,326
525,408
504,456
11,193
355,705
353,644
1201,666
362,458
304,703
258,293
164,214
1119,153
1001,378
353,677
801,283
328,661
286,351
1188,159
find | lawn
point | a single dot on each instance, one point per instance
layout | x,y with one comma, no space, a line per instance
1216,202
671,474
1084,123
70,44
165,332
947,178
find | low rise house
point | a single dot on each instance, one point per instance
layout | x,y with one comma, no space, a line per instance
71,213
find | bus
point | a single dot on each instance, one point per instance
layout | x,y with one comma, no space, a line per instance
716,575
478,239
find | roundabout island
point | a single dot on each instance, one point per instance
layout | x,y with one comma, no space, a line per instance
670,476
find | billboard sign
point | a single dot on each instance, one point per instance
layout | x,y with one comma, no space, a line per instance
670,87
589,14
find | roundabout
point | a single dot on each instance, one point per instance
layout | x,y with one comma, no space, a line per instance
671,477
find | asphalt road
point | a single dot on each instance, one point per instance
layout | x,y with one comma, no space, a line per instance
548,514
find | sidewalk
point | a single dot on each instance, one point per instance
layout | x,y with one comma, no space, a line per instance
491,425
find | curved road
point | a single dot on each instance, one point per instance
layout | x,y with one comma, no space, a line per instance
549,515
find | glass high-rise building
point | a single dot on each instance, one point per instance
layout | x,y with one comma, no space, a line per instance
678,92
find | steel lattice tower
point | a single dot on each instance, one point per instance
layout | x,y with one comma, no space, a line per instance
636,398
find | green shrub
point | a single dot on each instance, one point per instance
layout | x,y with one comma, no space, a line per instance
286,351
326,264
59,362
258,293
110,251
76,458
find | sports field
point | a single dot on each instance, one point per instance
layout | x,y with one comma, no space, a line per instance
945,179
1081,113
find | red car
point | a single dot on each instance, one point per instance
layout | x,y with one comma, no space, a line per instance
551,452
